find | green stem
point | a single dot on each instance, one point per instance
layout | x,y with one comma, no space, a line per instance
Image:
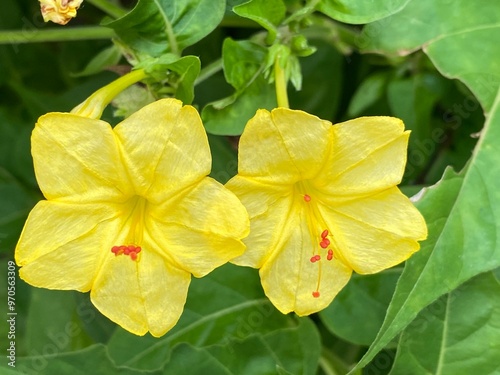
208,71
169,30
55,34
109,8
280,83
95,103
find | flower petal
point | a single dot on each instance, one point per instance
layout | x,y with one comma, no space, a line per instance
165,148
289,278
144,295
61,244
202,230
283,146
77,159
369,155
376,232
207,207
268,207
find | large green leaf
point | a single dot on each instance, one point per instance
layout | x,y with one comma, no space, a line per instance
92,360
459,334
357,313
454,35
158,26
461,211
358,12
55,323
295,349
460,214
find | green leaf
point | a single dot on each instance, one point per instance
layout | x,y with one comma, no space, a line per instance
452,36
243,63
169,72
458,334
155,27
361,11
357,313
267,13
104,59
294,350
458,218
461,211
368,93
55,323
227,304
187,359
92,360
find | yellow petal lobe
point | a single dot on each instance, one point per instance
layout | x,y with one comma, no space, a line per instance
292,146
165,148
77,159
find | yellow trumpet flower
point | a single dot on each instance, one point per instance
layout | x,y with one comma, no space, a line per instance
129,213
323,202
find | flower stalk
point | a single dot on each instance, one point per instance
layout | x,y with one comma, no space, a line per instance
280,83
94,105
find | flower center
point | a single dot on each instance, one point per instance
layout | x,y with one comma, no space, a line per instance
134,225
321,236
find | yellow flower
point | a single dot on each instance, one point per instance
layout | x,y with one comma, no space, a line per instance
59,11
322,201
130,213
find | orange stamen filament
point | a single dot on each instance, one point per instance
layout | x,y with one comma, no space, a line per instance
318,233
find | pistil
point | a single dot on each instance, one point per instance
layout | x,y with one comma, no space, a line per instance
320,235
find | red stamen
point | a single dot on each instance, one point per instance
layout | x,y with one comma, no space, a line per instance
330,254
315,258
307,197
315,294
324,234
130,250
324,243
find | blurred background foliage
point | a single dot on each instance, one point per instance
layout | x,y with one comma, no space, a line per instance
228,326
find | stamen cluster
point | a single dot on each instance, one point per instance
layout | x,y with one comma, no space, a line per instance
130,250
